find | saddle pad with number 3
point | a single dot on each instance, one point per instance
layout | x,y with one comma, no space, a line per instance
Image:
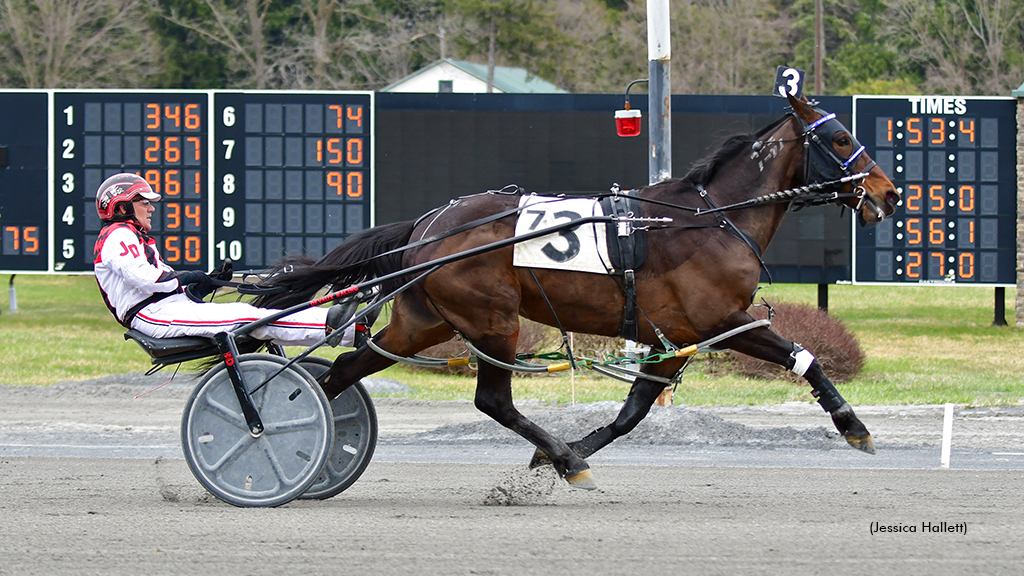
580,248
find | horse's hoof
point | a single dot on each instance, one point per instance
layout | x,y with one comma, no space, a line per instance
584,480
539,459
862,443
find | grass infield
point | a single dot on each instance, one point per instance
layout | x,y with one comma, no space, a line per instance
924,345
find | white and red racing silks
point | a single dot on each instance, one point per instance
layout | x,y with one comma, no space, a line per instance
126,271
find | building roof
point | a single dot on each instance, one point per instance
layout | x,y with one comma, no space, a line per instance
1019,92
471,77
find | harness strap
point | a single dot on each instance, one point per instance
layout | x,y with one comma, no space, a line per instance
724,222
565,337
628,243
130,315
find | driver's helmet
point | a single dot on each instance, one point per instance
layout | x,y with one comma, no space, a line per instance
118,189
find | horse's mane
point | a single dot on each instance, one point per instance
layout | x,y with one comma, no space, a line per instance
704,169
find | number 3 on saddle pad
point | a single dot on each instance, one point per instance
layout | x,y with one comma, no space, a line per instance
580,248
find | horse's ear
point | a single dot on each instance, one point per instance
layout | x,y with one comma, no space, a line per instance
802,108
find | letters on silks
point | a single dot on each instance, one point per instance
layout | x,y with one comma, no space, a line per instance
580,248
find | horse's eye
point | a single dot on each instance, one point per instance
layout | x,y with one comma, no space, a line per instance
843,141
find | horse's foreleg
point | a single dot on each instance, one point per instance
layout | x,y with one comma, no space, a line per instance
397,337
845,420
494,398
766,345
641,397
351,367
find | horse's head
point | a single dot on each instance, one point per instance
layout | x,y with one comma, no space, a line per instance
834,153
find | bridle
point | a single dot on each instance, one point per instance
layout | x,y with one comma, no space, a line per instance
824,160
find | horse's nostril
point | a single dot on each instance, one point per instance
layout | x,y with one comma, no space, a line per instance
891,197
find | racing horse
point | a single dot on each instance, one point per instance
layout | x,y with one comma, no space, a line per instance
700,277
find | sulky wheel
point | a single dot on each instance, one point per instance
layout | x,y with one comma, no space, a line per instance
284,460
355,436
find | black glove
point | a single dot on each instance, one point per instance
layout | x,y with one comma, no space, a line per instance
224,271
197,284
193,277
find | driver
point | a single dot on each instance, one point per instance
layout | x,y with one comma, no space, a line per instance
146,294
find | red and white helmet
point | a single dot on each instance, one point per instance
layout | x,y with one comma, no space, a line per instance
121,188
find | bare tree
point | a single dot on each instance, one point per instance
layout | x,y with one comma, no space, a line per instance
239,26
961,47
720,46
359,44
596,58
76,44
997,26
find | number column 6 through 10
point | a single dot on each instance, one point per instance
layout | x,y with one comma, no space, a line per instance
292,174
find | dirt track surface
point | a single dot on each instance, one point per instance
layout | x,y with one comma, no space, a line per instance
92,482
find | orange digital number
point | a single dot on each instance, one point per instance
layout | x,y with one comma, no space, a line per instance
339,114
30,234
16,234
335,155
915,196
354,185
153,152
334,180
354,147
914,232
966,198
938,257
965,265
967,127
173,113
355,113
173,185
172,153
192,119
198,184
916,135
173,213
172,253
153,113
913,264
970,231
153,178
936,232
935,199
193,248
938,131
194,140
193,212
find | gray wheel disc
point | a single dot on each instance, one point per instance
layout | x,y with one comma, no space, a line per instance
355,436
284,460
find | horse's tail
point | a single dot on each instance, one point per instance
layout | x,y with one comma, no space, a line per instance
355,260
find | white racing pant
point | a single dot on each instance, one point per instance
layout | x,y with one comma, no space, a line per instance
177,315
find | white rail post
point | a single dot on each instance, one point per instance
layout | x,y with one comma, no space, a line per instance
947,436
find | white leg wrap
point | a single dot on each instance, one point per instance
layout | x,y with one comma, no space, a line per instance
803,359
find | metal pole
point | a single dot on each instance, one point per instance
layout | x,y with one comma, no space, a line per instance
823,297
659,106
1000,307
819,48
12,296
659,56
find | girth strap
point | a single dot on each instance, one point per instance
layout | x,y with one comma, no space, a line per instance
627,248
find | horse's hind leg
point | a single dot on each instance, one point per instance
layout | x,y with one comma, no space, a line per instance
494,398
766,345
641,397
